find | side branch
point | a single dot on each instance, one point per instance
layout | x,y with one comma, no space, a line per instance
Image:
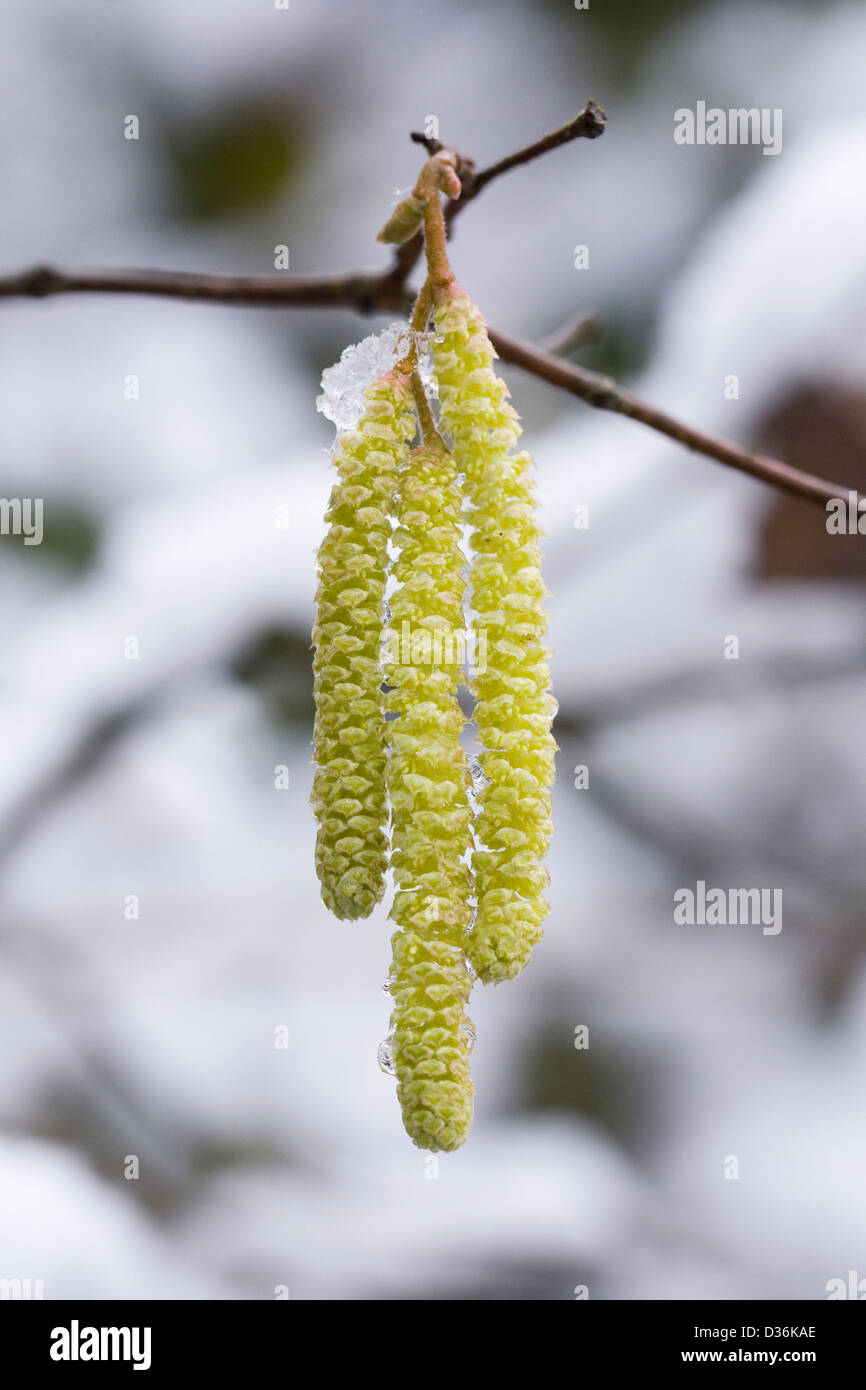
606,394
587,125
383,293
387,292
364,293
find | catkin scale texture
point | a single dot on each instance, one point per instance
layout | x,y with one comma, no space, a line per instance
514,708
349,788
431,816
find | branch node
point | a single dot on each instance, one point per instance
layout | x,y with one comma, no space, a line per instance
589,123
431,145
41,281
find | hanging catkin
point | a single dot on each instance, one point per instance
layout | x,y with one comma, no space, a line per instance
428,785
514,708
349,792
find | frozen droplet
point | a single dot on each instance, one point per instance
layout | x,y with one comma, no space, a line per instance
344,384
386,988
469,1032
479,780
385,1056
425,371
471,971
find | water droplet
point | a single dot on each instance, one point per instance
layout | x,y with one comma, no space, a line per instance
471,971
385,1056
479,780
386,988
471,1035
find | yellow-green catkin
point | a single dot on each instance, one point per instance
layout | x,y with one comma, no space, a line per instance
431,817
349,789
514,708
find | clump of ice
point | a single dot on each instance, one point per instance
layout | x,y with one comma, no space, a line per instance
344,384
480,780
425,371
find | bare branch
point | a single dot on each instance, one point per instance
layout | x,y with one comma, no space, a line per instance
430,143
587,125
606,394
387,292
579,329
364,293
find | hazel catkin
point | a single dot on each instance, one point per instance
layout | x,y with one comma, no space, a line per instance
349,793
514,708
431,817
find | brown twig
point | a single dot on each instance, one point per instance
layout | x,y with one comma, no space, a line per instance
429,433
387,292
371,293
579,329
366,293
606,394
587,125
423,208
430,143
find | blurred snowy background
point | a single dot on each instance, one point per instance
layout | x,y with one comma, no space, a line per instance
154,1036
